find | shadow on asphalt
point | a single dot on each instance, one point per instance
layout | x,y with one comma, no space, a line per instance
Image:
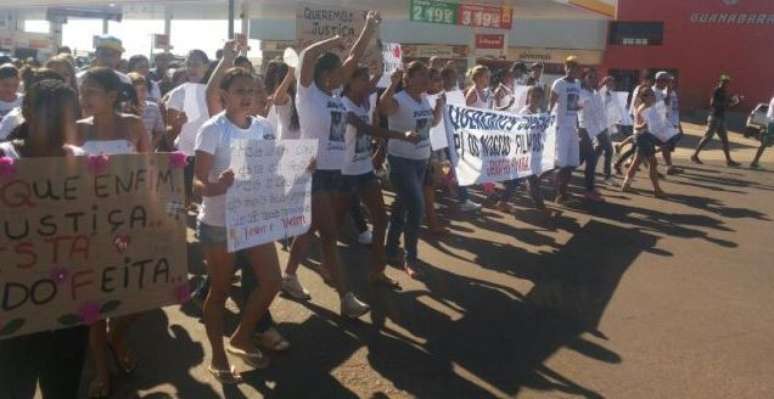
498,338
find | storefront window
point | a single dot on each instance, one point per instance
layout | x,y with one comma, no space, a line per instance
636,33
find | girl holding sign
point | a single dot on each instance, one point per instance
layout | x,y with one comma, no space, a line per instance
322,116
106,131
358,170
646,143
52,359
409,110
212,179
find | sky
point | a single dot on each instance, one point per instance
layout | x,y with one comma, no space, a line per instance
137,34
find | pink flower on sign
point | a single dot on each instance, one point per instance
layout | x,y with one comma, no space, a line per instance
121,243
7,167
178,160
59,275
90,313
183,292
489,188
98,164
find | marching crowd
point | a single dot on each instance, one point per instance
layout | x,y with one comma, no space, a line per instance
361,133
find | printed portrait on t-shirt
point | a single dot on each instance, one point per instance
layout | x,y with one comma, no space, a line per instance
338,126
362,147
423,129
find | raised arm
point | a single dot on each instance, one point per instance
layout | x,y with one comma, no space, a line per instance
280,96
214,104
440,107
310,55
373,19
387,104
471,97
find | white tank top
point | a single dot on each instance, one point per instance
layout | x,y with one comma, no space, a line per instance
414,116
484,99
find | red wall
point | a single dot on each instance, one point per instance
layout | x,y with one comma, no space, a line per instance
702,51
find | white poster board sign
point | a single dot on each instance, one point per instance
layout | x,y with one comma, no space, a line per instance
271,197
623,97
392,60
658,124
491,146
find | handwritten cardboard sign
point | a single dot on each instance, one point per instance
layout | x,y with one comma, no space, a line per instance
315,22
272,193
82,240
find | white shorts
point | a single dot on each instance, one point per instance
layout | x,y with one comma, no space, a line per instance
567,148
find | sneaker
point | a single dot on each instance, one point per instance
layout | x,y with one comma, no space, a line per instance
593,196
733,164
609,181
352,307
293,288
470,206
365,238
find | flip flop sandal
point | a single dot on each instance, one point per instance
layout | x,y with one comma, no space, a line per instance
226,377
253,359
99,390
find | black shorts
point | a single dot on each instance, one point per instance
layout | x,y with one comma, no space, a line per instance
354,183
646,144
326,181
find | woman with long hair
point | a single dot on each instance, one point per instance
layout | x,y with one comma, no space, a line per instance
646,143
322,116
213,178
50,360
106,130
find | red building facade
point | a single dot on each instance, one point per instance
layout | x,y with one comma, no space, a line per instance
697,40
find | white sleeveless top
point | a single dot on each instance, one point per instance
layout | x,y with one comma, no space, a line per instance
484,99
414,116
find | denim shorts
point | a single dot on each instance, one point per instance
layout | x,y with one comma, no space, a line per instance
210,235
326,181
353,183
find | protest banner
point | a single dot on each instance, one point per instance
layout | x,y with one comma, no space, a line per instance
438,140
272,193
492,146
86,238
315,22
392,60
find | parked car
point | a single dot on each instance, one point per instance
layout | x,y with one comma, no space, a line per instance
757,122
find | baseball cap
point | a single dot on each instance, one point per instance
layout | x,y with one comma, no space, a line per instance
663,75
110,42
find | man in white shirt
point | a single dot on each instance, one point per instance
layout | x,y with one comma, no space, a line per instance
767,136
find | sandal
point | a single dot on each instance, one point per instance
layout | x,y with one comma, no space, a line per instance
272,340
226,377
253,359
381,279
99,390
126,364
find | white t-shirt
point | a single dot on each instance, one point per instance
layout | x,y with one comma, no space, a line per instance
323,117
215,138
770,114
8,106
279,116
189,98
357,157
568,103
10,121
592,117
411,116
7,149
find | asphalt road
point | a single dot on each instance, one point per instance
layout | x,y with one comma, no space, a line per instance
635,298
